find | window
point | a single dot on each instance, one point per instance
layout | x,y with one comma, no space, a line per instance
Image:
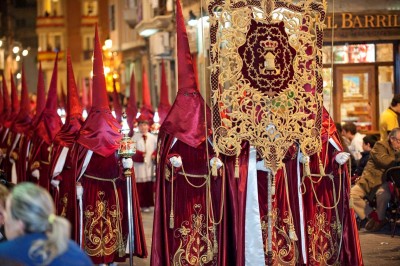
112,18
90,8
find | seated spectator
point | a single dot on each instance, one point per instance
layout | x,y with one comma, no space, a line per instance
36,236
349,131
352,164
384,155
368,144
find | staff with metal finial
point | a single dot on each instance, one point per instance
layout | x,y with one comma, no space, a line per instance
126,150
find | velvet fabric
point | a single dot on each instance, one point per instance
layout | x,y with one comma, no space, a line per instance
105,208
65,197
193,237
100,132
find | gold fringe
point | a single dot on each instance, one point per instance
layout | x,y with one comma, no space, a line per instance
321,168
307,170
214,170
237,167
171,219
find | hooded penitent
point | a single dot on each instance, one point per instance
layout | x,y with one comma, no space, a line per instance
23,120
49,121
73,121
186,124
102,180
182,198
100,132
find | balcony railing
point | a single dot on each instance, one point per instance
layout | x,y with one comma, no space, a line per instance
88,21
53,21
49,56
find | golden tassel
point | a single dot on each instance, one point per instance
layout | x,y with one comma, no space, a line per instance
292,233
273,185
214,170
171,219
215,240
237,167
321,168
307,170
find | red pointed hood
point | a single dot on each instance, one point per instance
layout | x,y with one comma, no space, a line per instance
23,120
6,103
40,100
116,104
13,106
146,108
164,106
186,120
14,96
131,109
74,120
85,100
100,132
49,121
40,92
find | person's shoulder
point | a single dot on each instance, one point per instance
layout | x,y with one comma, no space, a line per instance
73,256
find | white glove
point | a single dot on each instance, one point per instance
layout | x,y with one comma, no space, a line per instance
217,161
55,182
36,173
261,167
342,157
127,163
79,192
12,161
176,161
304,158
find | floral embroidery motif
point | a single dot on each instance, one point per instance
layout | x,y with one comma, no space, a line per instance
64,204
323,240
196,241
284,249
103,234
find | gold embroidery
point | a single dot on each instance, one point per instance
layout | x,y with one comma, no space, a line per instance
196,241
103,234
266,85
324,239
64,204
284,249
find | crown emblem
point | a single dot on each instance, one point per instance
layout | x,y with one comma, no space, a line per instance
269,45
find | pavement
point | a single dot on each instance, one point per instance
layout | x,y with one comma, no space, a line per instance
378,248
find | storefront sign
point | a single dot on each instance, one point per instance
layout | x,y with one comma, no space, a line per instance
362,21
363,26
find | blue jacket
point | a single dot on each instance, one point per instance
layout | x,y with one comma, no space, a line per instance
15,252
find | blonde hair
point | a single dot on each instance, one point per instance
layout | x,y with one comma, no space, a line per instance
34,206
